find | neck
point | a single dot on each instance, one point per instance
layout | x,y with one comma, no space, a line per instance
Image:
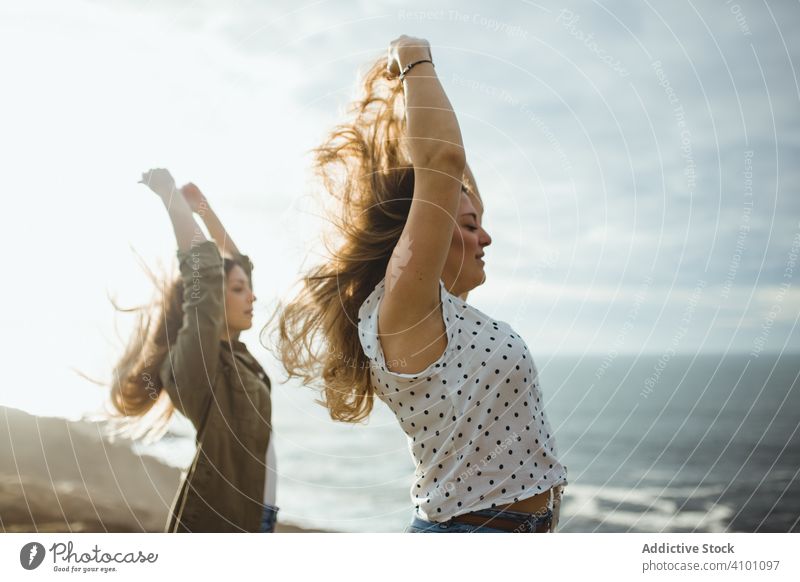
453,289
229,334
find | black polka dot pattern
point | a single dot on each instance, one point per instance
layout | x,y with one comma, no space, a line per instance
475,422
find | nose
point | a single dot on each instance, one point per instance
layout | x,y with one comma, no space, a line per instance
485,240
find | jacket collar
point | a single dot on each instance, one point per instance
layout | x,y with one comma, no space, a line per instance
234,345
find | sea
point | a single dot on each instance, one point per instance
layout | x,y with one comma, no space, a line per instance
652,443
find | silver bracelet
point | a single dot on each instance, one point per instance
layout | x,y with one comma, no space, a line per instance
410,66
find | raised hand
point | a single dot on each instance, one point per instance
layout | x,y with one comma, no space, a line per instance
404,50
194,197
160,181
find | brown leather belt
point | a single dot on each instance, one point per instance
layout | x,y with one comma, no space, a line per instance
508,524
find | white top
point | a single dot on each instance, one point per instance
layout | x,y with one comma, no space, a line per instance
270,485
474,418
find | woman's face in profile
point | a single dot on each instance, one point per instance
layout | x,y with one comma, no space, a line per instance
239,300
464,266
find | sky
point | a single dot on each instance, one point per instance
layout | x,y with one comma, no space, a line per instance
637,161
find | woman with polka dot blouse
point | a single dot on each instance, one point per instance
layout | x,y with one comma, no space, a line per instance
391,308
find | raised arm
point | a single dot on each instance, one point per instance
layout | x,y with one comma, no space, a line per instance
200,205
434,143
188,371
186,230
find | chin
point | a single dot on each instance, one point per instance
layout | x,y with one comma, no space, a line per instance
480,278
475,281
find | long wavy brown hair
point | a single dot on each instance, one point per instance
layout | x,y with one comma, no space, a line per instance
141,408
365,167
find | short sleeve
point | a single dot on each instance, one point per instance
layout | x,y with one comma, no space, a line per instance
368,329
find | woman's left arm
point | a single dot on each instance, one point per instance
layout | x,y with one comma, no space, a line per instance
200,206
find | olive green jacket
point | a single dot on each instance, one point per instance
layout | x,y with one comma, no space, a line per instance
225,393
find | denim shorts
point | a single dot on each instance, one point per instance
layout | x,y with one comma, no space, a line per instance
527,522
269,518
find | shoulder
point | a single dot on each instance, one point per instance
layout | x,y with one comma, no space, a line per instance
368,315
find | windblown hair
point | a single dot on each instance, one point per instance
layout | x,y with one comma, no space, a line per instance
141,407
365,167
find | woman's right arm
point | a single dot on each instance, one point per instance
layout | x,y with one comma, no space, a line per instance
188,370
186,230
433,140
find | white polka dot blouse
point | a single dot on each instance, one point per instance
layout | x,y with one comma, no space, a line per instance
474,418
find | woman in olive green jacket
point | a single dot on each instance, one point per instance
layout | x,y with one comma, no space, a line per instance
189,358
